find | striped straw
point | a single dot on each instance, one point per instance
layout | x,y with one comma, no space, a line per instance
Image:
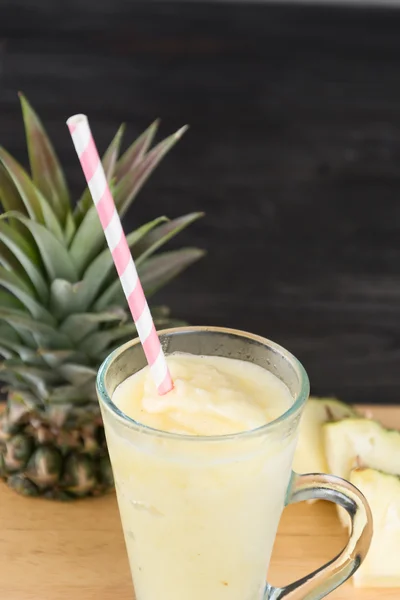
94,173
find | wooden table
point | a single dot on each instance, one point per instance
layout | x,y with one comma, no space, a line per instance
52,551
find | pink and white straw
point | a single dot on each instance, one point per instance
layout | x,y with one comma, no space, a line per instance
94,173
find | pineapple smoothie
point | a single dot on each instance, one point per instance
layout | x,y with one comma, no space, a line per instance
200,500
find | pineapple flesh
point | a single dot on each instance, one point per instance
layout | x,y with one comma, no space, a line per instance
356,442
359,442
381,567
62,309
310,452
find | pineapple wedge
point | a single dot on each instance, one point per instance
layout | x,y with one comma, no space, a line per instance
358,442
381,568
310,452
334,439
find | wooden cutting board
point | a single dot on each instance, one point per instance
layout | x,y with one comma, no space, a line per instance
52,551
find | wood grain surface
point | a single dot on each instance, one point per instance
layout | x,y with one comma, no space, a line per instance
293,152
52,551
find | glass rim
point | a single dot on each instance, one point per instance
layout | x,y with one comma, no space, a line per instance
127,421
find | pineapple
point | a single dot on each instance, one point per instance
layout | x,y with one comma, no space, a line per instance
357,442
310,452
381,567
62,309
335,438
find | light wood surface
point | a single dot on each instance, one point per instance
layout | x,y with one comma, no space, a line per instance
52,551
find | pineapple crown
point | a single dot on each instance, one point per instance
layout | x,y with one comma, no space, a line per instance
62,309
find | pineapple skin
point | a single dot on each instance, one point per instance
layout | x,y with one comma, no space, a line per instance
62,309
38,458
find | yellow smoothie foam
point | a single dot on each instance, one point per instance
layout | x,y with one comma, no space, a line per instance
212,395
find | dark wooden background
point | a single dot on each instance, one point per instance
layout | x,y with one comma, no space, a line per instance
293,152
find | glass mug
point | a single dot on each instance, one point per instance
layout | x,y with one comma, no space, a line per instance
200,514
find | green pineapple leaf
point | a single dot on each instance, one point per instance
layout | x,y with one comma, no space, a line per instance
100,341
6,352
111,155
50,221
128,186
77,375
8,260
88,240
109,162
28,257
54,254
65,298
78,326
44,335
36,205
70,393
113,295
62,398
27,355
21,368
26,295
39,379
136,151
161,235
13,380
23,185
55,358
46,170
9,302
9,196
135,236
159,322
158,270
69,229
26,336
154,274
6,331
99,270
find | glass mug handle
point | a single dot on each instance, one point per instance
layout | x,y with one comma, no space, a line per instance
327,578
